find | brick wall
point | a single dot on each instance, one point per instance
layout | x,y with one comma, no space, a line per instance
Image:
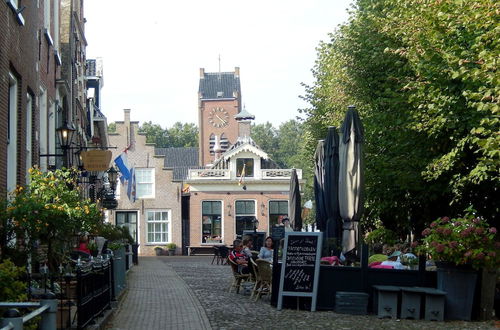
228,214
231,131
18,55
167,193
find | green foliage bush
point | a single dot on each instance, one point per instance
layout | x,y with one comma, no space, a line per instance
11,287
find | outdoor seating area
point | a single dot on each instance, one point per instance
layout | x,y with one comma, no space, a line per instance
256,283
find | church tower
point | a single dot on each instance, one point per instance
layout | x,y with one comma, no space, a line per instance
219,101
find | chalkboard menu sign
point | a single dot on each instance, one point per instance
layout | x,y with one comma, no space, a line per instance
300,266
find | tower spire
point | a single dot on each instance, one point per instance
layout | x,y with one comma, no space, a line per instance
219,68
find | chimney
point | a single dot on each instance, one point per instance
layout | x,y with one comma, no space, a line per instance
202,73
237,71
126,113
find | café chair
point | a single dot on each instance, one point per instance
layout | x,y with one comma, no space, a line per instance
237,277
255,274
216,255
265,276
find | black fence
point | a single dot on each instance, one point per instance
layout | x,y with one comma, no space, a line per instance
84,292
93,291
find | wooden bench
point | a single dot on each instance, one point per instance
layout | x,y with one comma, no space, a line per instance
206,250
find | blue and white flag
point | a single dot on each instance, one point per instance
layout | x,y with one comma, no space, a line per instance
131,187
122,164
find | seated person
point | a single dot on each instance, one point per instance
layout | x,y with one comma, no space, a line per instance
393,260
378,254
83,246
247,247
239,258
266,252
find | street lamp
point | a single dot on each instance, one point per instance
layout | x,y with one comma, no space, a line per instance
65,135
112,176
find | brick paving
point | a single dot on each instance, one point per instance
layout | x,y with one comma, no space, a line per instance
190,293
157,298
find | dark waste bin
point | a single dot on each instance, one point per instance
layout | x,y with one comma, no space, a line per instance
135,254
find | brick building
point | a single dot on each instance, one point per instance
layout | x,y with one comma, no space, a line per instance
237,183
43,85
154,219
28,101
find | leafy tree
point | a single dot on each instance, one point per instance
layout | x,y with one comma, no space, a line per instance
183,135
179,135
266,136
112,128
154,134
422,75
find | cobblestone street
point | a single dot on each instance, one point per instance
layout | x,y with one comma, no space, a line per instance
205,286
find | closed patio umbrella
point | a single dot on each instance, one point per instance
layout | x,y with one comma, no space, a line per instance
351,178
319,174
331,184
295,202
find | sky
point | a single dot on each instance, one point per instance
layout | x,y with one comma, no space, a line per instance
152,52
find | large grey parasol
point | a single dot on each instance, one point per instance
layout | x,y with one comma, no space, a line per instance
351,178
331,185
295,202
319,174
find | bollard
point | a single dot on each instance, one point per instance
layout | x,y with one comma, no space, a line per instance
12,316
49,317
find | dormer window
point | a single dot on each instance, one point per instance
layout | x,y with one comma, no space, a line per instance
247,165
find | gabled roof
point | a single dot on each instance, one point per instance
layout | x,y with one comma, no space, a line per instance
180,160
216,85
244,144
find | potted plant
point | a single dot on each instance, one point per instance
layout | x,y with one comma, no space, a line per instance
171,248
158,250
460,246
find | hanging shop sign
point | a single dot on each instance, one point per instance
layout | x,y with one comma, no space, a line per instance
96,160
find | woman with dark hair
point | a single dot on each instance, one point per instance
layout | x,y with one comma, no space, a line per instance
266,252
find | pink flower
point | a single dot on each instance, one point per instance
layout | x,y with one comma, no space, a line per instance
456,223
492,254
476,220
434,243
447,231
493,230
453,244
440,248
434,224
439,230
464,233
414,244
426,232
468,254
445,219
479,231
480,255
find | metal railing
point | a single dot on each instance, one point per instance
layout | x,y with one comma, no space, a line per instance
46,308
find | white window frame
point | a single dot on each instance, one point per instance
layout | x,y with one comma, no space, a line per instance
43,142
155,221
221,219
269,211
12,134
137,182
246,214
29,132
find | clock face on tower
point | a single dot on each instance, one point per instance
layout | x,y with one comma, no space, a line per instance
218,117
